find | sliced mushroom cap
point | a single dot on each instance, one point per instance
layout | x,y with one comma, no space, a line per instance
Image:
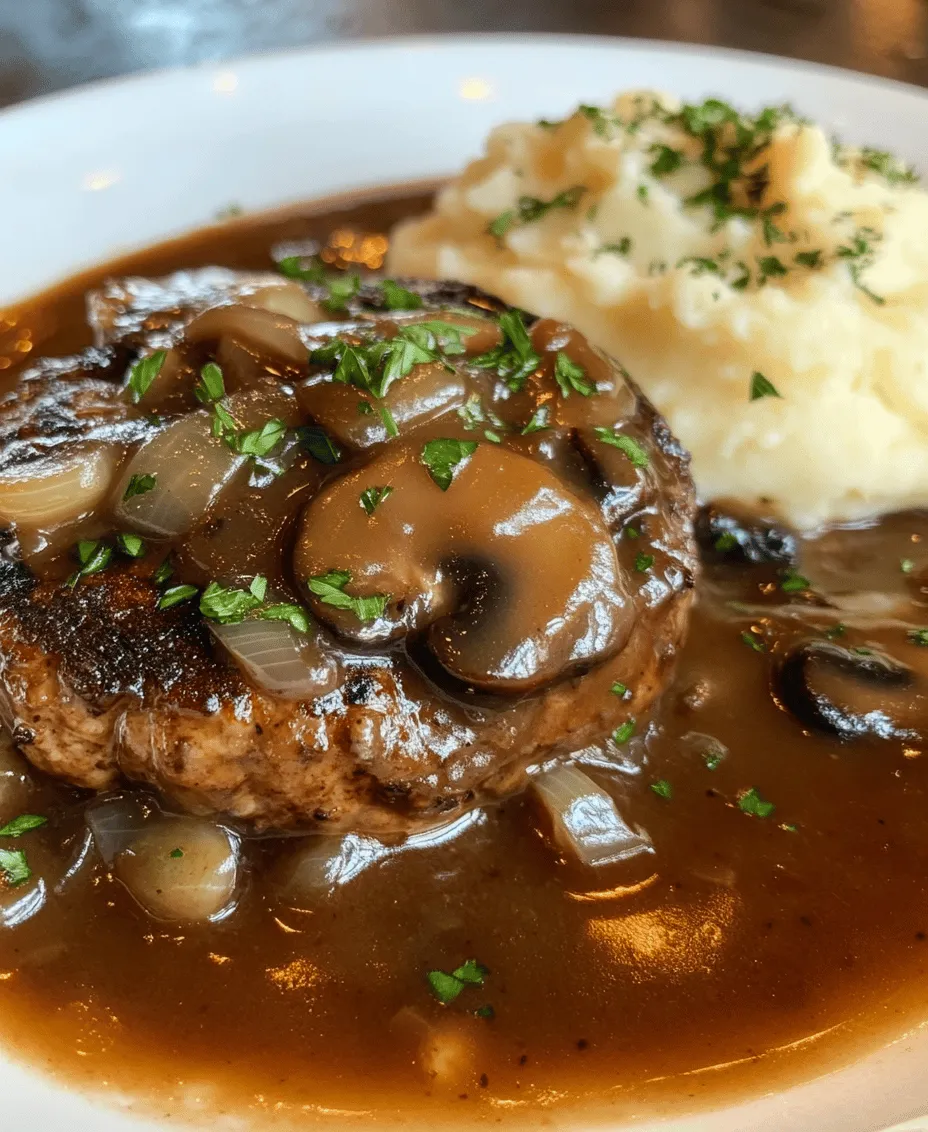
851,694
515,578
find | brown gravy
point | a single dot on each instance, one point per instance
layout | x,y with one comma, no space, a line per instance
746,935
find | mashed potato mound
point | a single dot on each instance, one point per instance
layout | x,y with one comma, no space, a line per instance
767,288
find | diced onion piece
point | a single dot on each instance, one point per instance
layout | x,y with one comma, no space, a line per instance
271,653
426,393
190,466
288,299
22,902
181,869
115,823
448,1054
585,820
322,863
57,490
271,332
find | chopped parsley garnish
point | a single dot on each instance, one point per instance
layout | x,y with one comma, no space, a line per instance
14,867
731,146
175,595
211,386
164,571
770,267
372,497
763,387
292,267
753,642
666,160
632,532
725,541
475,416
256,443
570,375
319,444
296,615
485,1011
514,359
623,733
631,448
836,631
750,802
139,485
93,556
23,824
446,987
365,408
529,209
443,456
906,565
397,298
713,757
700,265
227,605
810,259
372,367
643,563
772,233
143,373
621,247
859,256
894,171
793,583
387,420
176,854
130,544
618,688
918,637
603,124
538,421
500,225
662,788
342,289
642,193
330,589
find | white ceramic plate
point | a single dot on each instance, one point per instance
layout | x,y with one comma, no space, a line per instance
122,164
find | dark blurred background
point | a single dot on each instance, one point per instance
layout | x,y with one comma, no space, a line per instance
49,44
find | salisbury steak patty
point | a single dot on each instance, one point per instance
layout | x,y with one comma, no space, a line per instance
351,573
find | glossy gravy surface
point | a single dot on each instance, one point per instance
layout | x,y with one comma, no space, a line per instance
744,935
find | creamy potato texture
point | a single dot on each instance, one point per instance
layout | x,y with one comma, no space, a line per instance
703,247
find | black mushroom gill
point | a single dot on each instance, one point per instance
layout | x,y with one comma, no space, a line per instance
316,502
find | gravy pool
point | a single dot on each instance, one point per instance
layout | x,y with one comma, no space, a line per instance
751,930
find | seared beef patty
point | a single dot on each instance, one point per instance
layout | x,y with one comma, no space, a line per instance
400,547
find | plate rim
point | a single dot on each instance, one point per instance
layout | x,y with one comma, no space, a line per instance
457,40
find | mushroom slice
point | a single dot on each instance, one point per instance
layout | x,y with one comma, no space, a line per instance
515,578
851,694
